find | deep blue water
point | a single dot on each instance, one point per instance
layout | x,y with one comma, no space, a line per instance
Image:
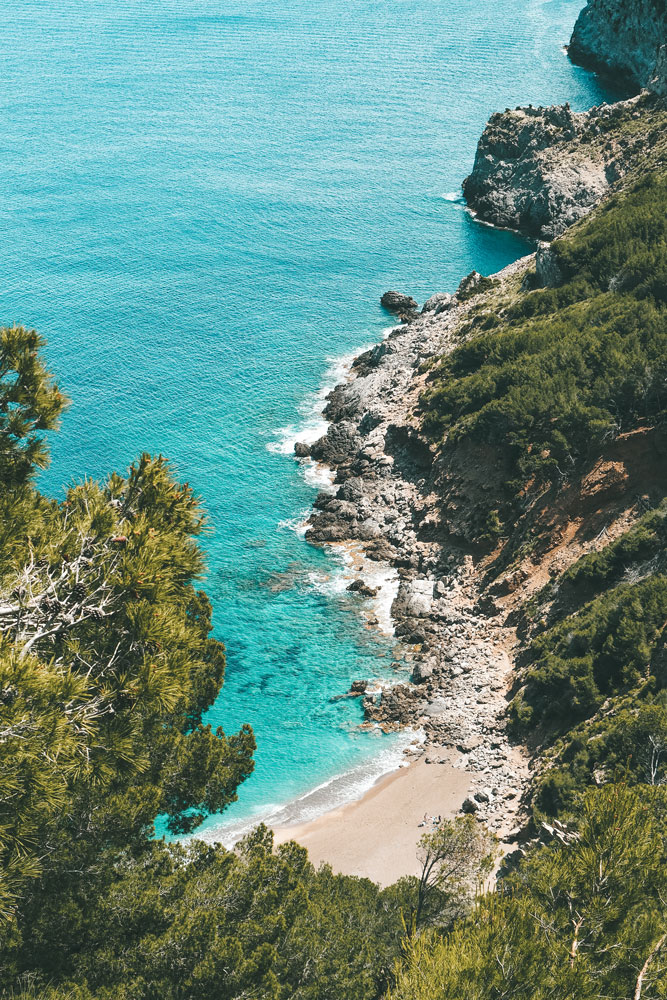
202,202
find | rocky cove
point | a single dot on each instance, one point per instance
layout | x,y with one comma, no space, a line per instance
386,500
399,502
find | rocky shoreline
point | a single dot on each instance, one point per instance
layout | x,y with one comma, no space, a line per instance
537,170
386,502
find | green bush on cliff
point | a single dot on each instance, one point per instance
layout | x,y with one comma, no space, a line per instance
570,368
603,650
596,678
645,544
584,919
629,742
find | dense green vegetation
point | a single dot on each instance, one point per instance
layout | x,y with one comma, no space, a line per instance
198,921
595,678
642,548
106,669
569,368
581,920
603,650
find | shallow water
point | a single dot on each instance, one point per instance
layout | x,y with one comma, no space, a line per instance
201,205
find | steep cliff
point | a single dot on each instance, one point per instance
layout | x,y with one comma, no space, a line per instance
542,169
622,39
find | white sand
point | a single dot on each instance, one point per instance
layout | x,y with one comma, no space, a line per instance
377,836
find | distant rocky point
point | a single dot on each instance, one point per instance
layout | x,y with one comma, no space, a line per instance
539,170
625,41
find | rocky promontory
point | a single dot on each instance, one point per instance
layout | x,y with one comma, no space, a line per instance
622,39
540,170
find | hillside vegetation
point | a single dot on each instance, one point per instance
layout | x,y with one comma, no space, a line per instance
547,380
564,370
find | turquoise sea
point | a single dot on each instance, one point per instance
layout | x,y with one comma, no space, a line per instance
202,202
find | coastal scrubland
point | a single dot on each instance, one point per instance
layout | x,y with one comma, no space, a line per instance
554,383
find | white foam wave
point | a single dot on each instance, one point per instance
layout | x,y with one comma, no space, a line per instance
309,432
312,425
317,475
333,793
381,577
353,565
329,584
298,524
456,197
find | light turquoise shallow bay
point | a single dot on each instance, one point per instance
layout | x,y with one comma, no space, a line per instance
201,205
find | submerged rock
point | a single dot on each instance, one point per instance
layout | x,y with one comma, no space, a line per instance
359,587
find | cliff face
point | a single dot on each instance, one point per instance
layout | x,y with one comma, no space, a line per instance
622,39
542,169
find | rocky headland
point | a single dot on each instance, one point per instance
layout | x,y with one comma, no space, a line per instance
624,40
539,170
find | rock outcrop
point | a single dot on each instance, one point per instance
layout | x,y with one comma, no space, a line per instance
540,170
622,39
547,268
396,302
438,303
658,82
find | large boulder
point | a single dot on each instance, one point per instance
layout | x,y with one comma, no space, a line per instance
340,442
362,588
396,302
438,303
549,274
531,171
413,600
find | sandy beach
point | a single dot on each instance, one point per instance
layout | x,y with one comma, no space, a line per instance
376,837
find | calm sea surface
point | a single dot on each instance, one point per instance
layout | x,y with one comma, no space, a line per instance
201,204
